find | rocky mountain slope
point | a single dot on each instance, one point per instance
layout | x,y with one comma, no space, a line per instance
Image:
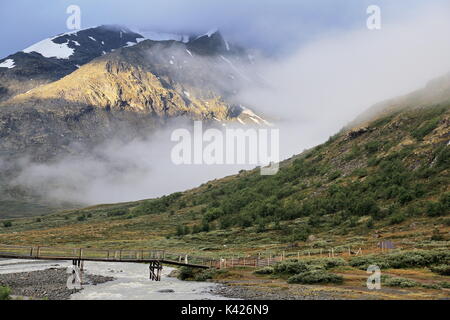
56,57
145,82
80,89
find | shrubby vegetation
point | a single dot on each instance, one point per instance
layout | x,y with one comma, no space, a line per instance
4,293
7,224
407,259
264,270
386,188
306,271
426,128
442,269
117,213
157,205
409,283
294,266
315,277
400,282
191,274
186,273
269,199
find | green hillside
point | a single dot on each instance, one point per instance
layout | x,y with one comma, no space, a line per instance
389,175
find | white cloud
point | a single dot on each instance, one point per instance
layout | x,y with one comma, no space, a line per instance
324,85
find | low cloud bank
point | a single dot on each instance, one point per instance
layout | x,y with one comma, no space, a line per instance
310,94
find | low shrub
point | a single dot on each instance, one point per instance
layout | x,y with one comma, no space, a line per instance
7,224
418,258
117,213
407,259
397,218
329,263
432,286
4,293
401,282
302,266
265,270
186,273
426,128
314,277
443,269
363,262
291,267
205,275
190,274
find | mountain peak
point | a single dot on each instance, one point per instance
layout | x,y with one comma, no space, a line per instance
209,43
210,33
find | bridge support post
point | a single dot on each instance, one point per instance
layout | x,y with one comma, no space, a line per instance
155,268
78,263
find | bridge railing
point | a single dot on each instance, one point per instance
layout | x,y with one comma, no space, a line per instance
43,252
188,259
15,250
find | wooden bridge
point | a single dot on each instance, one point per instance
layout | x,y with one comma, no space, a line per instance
155,258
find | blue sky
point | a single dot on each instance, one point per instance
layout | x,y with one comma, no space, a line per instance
275,25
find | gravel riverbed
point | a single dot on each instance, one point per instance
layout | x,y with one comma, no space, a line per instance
249,290
48,284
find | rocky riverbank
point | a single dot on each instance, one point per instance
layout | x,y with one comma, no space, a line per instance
48,284
262,290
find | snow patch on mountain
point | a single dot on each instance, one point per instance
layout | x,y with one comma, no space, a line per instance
253,116
50,49
133,43
209,33
8,63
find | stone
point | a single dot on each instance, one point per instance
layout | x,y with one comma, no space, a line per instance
166,291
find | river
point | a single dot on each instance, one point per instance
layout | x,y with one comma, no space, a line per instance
131,281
